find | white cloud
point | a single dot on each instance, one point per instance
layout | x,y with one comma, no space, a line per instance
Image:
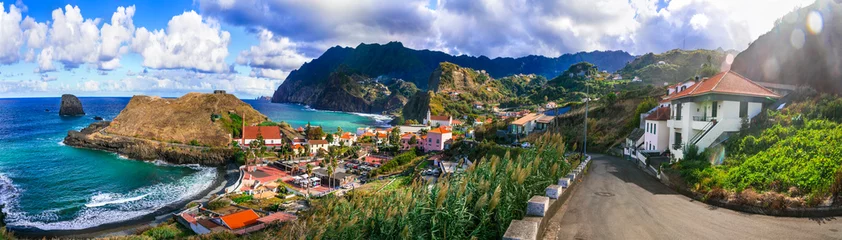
73,40
34,32
176,82
190,41
268,73
114,35
23,86
11,38
273,53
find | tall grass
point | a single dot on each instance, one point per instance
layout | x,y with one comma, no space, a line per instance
479,203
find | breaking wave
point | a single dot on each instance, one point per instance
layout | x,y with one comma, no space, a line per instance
105,208
379,119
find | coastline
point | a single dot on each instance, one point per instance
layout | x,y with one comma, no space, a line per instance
130,226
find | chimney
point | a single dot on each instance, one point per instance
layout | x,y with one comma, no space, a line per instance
697,78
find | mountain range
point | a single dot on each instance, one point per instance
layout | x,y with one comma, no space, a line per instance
314,84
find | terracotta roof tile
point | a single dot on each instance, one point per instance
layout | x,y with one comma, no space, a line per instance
725,83
440,130
317,142
240,219
268,132
660,114
440,118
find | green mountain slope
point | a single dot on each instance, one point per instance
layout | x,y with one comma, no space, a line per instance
673,66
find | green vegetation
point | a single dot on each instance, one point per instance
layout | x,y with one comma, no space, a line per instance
794,151
233,124
479,203
400,161
217,204
242,198
674,66
163,232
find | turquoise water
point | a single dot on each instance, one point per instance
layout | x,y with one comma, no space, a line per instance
47,185
298,115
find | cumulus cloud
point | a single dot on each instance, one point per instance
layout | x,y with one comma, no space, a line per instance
114,36
34,32
23,86
190,41
11,38
510,28
274,57
73,40
323,24
175,82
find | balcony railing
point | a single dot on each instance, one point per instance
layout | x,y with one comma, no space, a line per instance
676,118
703,118
677,146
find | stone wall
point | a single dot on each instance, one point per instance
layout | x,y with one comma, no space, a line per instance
540,209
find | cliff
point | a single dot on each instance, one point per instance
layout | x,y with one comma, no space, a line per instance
453,91
311,83
797,51
92,137
182,120
195,128
70,106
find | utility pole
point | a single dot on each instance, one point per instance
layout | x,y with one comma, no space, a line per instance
587,100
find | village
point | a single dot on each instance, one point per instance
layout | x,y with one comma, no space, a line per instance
279,172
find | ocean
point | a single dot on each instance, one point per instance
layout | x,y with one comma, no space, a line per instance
49,186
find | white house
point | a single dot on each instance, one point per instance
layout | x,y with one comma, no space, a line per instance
656,132
524,125
316,145
438,121
706,113
634,143
347,139
271,135
675,88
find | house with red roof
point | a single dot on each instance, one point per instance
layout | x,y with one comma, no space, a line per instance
437,139
656,132
438,121
347,139
239,219
272,136
705,113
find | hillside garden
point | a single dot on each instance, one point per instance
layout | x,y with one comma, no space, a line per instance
783,158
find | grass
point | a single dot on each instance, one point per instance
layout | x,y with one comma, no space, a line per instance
479,203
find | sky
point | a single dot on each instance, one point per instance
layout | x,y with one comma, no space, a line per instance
248,47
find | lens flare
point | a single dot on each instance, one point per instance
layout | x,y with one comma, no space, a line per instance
815,22
797,38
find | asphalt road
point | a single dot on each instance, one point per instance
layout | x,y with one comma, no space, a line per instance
619,201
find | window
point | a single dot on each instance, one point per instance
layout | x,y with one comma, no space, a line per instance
713,109
743,109
437,141
654,128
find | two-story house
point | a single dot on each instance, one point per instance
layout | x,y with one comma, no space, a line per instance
712,109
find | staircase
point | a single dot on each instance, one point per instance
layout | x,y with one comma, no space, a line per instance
702,133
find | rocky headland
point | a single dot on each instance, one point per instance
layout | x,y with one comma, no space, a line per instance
195,128
70,106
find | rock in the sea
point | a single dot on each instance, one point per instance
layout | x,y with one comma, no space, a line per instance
98,118
70,106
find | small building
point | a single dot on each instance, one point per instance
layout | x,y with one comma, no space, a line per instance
239,219
713,108
550,105
406,138
271,135
633,143
347,139
298,149
438,121
543,123
317,145
525,125
337,179
437,138
656,137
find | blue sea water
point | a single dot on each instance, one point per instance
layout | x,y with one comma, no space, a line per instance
47,185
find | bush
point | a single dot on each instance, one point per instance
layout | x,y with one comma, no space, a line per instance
242,199
163,232
218,204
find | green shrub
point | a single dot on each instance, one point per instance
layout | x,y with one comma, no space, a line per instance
242,199
218,204
163,232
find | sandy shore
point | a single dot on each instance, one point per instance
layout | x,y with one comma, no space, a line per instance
130,226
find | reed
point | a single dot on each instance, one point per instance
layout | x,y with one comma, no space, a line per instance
476,204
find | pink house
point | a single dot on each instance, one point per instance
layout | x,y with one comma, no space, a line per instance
406,138
436,139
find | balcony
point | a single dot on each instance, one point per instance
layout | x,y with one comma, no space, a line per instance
703,118
677,146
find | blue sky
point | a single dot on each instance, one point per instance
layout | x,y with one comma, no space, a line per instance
168,48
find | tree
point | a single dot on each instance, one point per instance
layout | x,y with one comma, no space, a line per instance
610,99
413,140
329,138
339,130
309,175
395,136
314,132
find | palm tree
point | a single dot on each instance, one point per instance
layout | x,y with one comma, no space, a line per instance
309,175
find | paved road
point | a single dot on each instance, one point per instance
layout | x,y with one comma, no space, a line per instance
619,201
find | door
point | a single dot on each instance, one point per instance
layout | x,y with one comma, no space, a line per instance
713,109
